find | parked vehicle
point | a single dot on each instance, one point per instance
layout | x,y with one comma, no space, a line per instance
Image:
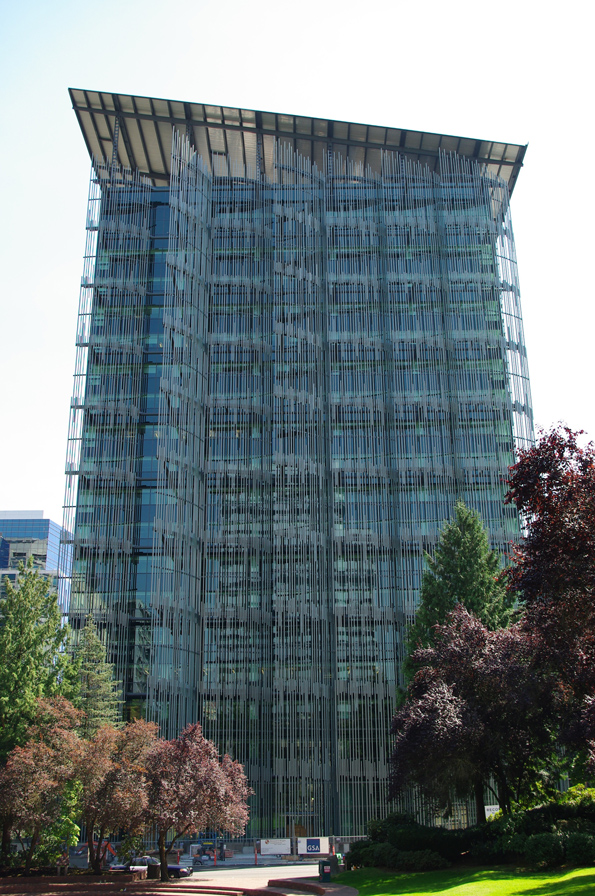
143,861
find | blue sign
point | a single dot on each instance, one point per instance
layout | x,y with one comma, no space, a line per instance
313,844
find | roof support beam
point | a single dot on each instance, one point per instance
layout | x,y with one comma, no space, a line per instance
110,107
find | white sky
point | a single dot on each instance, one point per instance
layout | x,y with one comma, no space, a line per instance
518,72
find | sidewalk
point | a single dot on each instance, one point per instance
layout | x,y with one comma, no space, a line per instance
248,876
210,881
247,858
280,875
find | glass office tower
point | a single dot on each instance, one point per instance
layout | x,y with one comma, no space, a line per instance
299,343
26,537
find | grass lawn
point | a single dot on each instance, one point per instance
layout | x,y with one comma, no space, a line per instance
471,882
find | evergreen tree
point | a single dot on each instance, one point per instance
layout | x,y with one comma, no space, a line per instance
464,570
34,661
100,693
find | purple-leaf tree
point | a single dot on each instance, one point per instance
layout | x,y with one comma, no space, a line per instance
553,487
477,710
190,790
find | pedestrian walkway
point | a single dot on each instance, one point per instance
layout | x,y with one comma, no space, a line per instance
298,879
258,876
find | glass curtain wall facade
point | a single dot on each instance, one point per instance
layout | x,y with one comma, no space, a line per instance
285,381
25,536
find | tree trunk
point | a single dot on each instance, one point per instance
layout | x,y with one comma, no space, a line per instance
480,809
178,834
6,829
504,797
163,856
94,854
90,847
102,853
29,858
98,856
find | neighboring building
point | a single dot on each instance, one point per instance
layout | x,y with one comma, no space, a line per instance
25,535
299,343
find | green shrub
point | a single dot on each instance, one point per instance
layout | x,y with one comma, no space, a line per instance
513,845
544,850
500,850
367,854
360,854
526,822
537,835
418,838
579,801
420,860
577,826
580,849
539,820
503,839
378,829
385,856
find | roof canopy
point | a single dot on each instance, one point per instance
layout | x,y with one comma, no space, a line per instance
247,137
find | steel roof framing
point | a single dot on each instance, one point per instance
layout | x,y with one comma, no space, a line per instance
147,135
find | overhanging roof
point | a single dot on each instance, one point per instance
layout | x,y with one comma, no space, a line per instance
145,136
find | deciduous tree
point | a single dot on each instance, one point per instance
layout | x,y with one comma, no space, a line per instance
233,815
34,781
191,790
500,705
477,710
553,487
112,770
